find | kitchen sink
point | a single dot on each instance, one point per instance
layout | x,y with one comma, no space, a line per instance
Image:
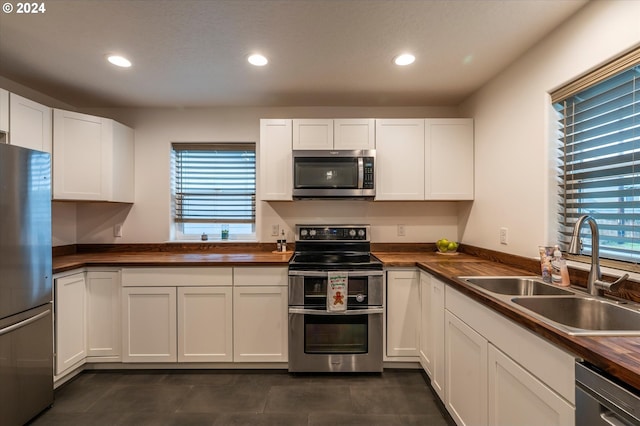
578,315
515,286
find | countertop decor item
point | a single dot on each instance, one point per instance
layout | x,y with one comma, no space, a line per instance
446,246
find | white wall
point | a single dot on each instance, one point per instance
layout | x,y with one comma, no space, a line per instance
148,220
514,185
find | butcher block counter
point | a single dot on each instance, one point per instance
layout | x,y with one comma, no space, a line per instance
172,255
619,356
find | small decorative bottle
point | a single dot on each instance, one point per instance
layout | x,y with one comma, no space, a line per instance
283,243
560,271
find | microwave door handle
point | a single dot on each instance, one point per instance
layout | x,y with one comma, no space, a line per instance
360,172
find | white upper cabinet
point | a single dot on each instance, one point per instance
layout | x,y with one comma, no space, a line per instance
4,111
29,124
449,171
400,159
93,158
354,133
312,134
275,160
428,159
346,133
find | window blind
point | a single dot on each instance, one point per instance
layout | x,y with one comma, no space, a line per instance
599,163
214,183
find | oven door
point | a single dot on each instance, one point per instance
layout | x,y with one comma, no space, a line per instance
348,341
309,288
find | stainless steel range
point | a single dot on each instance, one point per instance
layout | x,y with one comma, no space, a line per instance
346,340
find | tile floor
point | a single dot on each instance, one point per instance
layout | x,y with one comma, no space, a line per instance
396,397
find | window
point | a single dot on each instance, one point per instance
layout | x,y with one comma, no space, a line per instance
213,186
599,157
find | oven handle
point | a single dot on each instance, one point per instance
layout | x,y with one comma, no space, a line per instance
367,311
349,273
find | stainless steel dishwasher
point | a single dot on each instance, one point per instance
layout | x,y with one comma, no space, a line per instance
602,400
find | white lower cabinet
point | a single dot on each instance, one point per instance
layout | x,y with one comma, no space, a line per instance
149,324
488,370
426,324
225,315
432,330
260,314
466,372
103,316
205,324
260,324
70,322
517,397
403,313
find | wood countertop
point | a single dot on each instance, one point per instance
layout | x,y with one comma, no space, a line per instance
257,258
619,356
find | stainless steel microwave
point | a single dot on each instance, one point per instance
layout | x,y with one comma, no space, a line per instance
334,174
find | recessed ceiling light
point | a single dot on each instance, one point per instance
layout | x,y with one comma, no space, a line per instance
119,61
404,59
258,60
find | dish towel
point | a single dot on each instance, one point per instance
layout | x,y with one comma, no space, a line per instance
337,285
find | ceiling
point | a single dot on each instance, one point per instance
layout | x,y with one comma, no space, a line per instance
191,53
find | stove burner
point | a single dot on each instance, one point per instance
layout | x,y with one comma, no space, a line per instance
337,247
324,258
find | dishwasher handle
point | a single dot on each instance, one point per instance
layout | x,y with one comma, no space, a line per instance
610,418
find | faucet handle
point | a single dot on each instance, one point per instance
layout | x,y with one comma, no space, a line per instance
611,286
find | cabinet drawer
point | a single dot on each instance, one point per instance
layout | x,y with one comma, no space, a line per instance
259,276
177,277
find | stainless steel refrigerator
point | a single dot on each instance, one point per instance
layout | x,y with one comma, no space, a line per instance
26,315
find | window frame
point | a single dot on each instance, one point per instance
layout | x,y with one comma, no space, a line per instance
212,225
625,62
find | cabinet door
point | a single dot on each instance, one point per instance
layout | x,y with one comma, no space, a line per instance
122,169
312,134
466,372
426,327
449,159
205,329
354,133
400,159
149,324
82,153
70,322
103,314
437,336
4,110
276,166
29,124
260,316
517,397
403,313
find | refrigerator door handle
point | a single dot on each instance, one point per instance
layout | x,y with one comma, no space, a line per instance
24,322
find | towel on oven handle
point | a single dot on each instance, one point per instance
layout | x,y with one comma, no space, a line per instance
337,290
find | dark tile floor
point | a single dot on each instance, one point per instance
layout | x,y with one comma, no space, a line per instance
395,397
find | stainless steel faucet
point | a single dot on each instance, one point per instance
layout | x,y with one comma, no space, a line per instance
595,285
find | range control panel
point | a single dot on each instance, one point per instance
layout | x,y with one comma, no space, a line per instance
332,233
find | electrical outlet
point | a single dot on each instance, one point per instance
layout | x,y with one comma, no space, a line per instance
117,230
504,236
275,230
401,231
